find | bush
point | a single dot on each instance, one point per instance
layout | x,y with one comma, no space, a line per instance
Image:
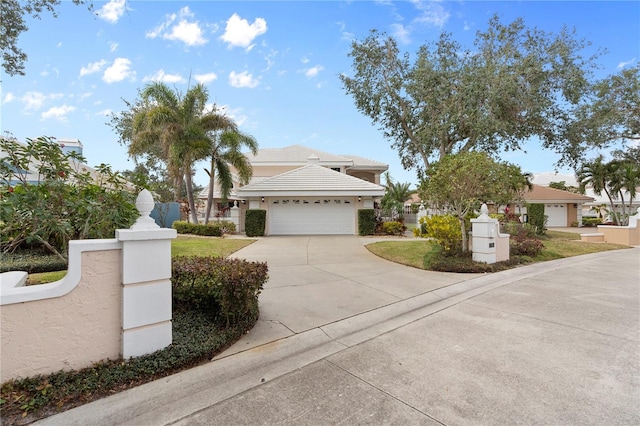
393,228
445,230
226,288
591,221
255,222
537,219
366,221
213,229
31,261
523,241
66,202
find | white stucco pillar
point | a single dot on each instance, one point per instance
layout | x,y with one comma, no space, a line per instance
146,283
485,235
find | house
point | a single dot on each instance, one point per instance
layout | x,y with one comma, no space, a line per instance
591,207
562,208
307,191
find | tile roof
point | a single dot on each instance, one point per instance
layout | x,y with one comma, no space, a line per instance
311,179
298,154
545,194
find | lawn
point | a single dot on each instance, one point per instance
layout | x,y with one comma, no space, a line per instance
556,246
184,245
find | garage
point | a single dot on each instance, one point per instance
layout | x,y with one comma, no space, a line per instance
556,214
312,216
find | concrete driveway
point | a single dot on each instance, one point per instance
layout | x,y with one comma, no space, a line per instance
553,343
318,280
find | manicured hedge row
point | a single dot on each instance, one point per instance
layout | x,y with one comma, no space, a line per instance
591,221
213,229
227,288
537,219
366,221
255,222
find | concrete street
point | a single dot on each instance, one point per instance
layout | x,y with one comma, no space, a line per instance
347,338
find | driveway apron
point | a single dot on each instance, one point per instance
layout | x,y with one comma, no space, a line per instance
317,280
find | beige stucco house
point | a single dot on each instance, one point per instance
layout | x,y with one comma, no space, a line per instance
306,191
562,208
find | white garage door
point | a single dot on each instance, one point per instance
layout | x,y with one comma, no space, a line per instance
311,216
557,214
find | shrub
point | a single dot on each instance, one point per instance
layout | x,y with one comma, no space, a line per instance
523,241
591,221
421,230
393,228
31,261
463,263
255,222
227,288
213,229
366,221
537,219
66,202
445,230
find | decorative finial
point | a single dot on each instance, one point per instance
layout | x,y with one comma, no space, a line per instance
145,204
484,210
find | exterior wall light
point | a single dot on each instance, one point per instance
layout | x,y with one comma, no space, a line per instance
262,199
359,198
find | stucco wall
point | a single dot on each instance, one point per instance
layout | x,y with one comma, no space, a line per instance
44,336
620,234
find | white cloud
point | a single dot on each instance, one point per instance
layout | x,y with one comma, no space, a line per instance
8,98
205,78
112,11
313,71
120,70
432,13
239,33
113,46
92,68
163,77
59,113
625,63
243,79
305,60
401,33
235,114
33,100
180,27
105,112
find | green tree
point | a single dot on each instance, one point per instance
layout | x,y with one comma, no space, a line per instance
515,83
48,198
611,113
459,183
226,144
598,174
12,24
397,193
174,128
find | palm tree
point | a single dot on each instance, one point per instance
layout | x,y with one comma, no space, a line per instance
625,178
598,174
226,150
175,129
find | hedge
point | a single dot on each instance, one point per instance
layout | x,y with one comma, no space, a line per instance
213,229
537,219
254,223
366,221
227,288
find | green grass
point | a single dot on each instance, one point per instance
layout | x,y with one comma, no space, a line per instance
557,245
45,277
189,245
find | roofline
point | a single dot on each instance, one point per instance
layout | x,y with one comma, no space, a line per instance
307,193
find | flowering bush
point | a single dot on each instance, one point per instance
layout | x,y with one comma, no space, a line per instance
445,230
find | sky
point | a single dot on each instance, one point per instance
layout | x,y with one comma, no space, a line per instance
273,66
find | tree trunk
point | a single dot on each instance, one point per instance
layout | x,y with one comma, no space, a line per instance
212,180
465,244
190,198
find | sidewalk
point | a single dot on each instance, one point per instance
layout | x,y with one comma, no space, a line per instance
555,342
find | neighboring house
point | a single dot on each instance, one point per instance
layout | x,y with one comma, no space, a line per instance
589,207
562,208
306,191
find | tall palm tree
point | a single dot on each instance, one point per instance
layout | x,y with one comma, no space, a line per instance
225,151
598,174
175,129
625,178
